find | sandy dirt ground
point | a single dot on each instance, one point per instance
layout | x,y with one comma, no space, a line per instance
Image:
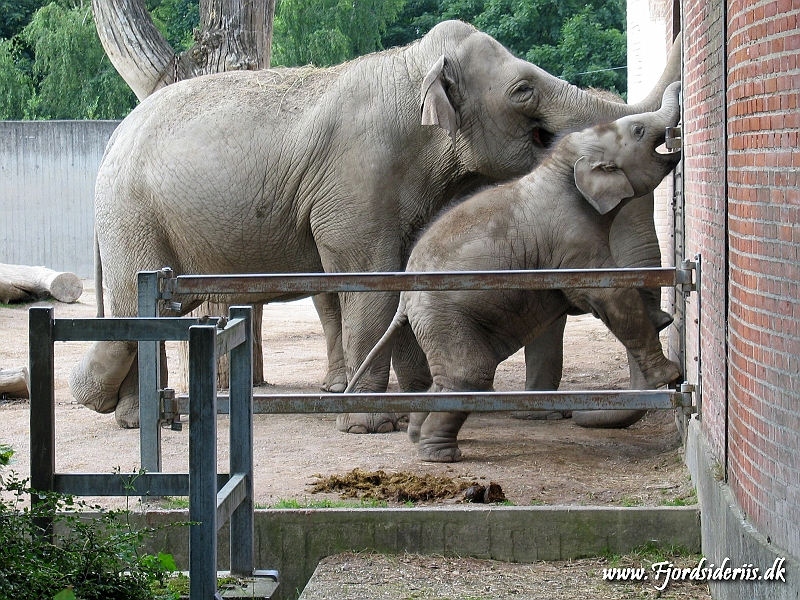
535,462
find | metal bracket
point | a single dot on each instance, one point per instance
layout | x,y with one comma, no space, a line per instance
683,398
166,286
168,410
673,139
685,277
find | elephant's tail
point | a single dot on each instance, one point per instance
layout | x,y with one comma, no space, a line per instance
398,321
98,279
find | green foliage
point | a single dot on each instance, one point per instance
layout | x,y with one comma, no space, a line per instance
15,14
95,559
16,86
582,42
6,452
306,504
74,78
328,32
177,20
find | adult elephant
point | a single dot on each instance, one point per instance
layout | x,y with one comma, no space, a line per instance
311,170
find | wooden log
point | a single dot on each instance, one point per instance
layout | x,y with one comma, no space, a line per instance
14,382
19,283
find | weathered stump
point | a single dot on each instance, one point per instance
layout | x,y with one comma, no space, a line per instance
19,283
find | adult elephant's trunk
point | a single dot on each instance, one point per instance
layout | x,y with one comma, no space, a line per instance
585,108
670,105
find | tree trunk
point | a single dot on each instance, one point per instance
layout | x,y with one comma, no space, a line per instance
21,283
233,35
14,382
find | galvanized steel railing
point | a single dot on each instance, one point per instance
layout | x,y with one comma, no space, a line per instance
158,288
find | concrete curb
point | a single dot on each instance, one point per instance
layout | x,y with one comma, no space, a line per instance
727,533
294,541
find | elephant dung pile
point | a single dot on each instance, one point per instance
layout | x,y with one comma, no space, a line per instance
403,487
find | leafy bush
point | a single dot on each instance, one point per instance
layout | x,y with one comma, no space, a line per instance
96,559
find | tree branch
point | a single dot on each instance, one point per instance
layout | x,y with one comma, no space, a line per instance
136,48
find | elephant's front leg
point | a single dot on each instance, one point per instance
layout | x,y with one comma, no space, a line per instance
633,242
544,364
330,315
623,311
365,316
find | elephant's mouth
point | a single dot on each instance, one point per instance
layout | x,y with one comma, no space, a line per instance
542,137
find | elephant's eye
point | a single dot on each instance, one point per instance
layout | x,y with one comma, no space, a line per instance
522,92
637,131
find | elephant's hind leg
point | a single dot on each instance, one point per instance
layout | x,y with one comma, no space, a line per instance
95,381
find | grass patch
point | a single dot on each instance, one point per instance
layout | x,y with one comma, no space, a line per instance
311,504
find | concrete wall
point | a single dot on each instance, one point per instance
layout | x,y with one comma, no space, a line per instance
294,541
47,173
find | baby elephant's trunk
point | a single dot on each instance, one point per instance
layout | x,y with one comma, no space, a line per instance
397,322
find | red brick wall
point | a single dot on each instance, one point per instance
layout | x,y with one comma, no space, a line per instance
764,241
760,249
704,189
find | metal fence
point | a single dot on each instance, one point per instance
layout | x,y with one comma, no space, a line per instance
214,498
160,289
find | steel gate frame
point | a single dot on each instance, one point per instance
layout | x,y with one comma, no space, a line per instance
214,499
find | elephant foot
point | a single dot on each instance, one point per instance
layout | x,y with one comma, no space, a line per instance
541,415
367,422
665,374
607,419
126,412
95,381
660,319
335,382
439,451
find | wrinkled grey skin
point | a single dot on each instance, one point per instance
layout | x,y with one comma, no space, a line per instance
557,217
310,170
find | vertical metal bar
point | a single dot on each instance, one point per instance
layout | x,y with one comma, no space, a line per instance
202,462
149,378
241,443
43,403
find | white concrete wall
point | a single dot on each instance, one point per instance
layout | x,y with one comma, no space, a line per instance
647,56
47,173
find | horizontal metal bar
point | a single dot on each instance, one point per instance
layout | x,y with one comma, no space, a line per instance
230,496
127,484
230,337
456,401
123,329
457,280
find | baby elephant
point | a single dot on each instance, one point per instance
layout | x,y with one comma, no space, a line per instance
557,217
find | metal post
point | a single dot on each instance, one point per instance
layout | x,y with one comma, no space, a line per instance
202,462
149,378
43,403
241,443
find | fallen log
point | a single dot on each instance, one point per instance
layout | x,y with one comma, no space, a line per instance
14,382
20,283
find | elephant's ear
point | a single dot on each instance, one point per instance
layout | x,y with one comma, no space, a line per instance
603,184
436,106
